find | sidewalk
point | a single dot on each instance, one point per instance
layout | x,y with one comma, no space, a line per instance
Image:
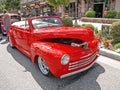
110,54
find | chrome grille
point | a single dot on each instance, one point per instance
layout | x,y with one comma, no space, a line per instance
82,62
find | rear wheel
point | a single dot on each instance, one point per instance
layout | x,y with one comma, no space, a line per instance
43,67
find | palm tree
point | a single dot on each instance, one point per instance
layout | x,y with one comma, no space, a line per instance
60,3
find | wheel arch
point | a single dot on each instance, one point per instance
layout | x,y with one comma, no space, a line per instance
49,57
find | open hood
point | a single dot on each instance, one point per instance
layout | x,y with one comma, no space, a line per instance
84,34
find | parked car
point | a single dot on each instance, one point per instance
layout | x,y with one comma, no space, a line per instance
58,49
14,18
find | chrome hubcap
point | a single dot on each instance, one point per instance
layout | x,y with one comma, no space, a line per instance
43,67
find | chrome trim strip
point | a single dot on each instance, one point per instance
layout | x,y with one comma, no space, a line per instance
72,73
83,59
81,65
89,54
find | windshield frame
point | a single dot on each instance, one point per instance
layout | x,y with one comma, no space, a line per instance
48,24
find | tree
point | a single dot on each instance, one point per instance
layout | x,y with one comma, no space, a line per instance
13,5
60,3
2,6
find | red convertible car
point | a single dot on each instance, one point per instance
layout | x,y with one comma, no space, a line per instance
58,49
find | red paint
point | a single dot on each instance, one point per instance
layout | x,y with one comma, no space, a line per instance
31,43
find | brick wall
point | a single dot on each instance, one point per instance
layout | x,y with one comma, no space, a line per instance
99,20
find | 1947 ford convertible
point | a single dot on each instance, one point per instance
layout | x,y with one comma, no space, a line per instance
58,49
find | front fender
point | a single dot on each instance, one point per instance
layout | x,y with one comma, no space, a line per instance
51,55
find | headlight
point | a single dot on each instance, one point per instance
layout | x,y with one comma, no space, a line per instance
65,59
99,45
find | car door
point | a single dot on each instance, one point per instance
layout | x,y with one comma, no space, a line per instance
22,38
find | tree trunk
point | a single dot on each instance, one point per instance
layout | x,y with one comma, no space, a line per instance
63,11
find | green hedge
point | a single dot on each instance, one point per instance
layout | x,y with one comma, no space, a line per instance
118,15
117,46
95,29
111,14
89,26
90,13
115,32
67,21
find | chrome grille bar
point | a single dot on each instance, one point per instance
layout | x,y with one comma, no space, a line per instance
82,62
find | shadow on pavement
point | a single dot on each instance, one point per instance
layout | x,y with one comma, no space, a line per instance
3,41
82,81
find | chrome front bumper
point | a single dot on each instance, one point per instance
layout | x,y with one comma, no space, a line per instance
72,73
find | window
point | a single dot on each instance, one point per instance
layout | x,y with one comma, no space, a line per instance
46,22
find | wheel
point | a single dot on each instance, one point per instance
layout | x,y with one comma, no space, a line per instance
10,42
43,67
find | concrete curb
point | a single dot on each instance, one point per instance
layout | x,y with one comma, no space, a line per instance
109,53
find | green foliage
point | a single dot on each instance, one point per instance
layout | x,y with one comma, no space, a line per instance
117,46
95,29
58,2
77,25
90,13
2,6
100,33
106,32
115,31
118,15
67,21
111,14
12,5
89,26
104,39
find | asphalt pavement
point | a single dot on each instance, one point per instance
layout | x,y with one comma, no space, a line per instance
18,73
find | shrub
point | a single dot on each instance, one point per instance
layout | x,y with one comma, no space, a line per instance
115,31
90,13
95,29
117,46
89,26
111,14
118,15
77,25
67,21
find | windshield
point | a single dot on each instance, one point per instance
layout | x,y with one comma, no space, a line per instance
16,17
46,22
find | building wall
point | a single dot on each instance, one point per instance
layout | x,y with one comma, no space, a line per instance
83,6
117,5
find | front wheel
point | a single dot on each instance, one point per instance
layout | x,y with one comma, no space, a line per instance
43,67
